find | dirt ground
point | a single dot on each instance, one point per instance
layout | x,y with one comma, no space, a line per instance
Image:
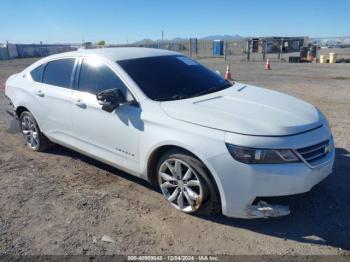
62,202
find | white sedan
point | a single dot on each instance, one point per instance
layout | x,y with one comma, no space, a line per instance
209,145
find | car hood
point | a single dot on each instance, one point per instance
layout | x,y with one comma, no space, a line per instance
247,110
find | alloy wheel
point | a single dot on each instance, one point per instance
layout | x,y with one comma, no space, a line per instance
30,132
180,185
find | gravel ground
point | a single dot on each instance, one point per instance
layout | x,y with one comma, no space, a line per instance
62,202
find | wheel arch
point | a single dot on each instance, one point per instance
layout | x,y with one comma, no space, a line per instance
154,157
20,109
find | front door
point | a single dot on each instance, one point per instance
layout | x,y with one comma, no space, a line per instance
111,137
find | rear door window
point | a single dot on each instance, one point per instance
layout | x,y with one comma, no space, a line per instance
37,73
59,72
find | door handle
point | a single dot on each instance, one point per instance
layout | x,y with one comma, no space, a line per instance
40,93
78,102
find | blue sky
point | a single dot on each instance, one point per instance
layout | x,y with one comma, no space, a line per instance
29,21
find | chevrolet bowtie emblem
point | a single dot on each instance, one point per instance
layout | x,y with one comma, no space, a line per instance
328,148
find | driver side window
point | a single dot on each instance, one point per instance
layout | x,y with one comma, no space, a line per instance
95,77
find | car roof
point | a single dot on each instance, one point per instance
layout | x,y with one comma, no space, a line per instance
120,53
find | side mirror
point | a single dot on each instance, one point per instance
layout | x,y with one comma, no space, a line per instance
110,99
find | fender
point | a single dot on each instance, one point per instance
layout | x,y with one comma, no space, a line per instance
190,149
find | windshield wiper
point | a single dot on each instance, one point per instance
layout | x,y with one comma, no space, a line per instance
174,97
212,89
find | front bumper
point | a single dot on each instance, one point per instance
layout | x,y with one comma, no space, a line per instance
240,184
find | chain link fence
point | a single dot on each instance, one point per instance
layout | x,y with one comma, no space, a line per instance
11,51
234,50
275,49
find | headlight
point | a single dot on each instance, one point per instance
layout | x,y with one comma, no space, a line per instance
262,156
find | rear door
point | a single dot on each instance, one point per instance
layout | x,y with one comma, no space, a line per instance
54,98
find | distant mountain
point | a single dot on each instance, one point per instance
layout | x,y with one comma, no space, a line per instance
210,37
178,39
213,37
143,41
222,37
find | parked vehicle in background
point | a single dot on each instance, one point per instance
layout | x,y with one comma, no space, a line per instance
211,146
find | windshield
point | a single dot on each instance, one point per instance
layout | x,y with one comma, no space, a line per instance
165,78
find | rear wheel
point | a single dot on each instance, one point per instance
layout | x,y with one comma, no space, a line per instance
33,137
186,183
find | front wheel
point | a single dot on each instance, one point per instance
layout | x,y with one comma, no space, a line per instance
186,183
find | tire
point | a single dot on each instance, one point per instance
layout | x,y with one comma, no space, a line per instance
34,139
186,183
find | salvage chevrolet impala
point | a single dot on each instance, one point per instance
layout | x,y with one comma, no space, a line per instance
209,145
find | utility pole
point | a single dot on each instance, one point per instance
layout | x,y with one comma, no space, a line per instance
162,35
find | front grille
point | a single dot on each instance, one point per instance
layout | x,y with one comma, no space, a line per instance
313,154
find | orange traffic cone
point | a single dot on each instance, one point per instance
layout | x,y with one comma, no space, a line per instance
228,73
267,65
